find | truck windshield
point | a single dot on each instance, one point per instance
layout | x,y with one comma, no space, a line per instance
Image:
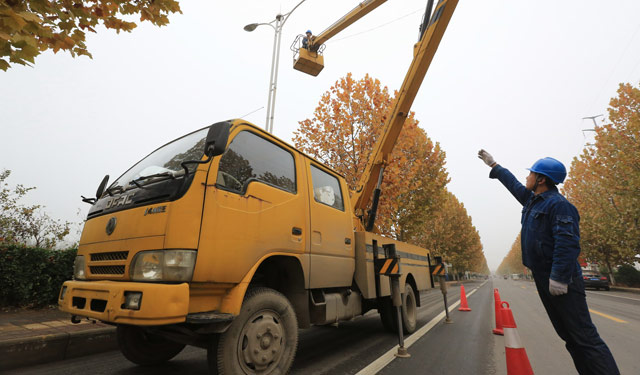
165,162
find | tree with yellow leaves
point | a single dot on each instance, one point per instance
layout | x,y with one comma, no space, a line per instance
604,184
345,126
512,262
29,27
450,233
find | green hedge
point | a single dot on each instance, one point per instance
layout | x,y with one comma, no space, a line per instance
628,276
31,277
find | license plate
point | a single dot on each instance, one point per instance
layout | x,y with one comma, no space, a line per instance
594,279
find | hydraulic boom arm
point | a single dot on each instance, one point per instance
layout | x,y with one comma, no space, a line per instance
424,51
358,12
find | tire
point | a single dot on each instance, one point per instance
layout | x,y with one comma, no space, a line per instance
262,339
389,315
143,348
607,288
409,310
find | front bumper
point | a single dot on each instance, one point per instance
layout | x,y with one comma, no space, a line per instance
104,300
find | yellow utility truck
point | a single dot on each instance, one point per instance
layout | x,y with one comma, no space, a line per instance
230,239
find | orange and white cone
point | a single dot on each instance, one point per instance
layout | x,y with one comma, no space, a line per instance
463,300
498,313
517,360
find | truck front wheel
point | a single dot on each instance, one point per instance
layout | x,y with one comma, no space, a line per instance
143,348
262,339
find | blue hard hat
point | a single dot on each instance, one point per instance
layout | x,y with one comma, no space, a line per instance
309,32
551,168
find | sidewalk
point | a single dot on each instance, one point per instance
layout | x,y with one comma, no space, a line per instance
30,337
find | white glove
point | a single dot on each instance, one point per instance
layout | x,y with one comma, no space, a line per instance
557,288
486,158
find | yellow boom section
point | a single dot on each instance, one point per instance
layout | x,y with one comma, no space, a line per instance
423,54
358,12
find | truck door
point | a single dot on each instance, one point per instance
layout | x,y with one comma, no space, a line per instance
332,248
256,204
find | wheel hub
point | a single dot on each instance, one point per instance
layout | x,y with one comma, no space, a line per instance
262,341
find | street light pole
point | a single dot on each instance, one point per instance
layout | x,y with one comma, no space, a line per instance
277,25
275,63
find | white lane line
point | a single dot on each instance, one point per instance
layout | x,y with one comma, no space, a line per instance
389,356
612,295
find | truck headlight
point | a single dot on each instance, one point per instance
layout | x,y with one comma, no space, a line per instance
163,265
78,268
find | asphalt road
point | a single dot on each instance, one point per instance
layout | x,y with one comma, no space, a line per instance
464,347
615,314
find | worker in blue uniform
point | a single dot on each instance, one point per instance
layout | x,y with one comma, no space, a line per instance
307,39
550,240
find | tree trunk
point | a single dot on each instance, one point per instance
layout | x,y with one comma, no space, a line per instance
613,280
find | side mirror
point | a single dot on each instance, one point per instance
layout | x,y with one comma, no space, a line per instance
217,139
101,187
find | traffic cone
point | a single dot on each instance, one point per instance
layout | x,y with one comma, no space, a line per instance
496,299
517,360
463,300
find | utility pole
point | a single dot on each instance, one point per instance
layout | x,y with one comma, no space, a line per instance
595,125
593,118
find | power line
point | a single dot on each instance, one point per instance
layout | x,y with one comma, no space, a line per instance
624,52
377,27
252,112
633,70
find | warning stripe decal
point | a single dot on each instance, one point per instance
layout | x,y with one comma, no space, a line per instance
388,266
395,269
387,263
439,270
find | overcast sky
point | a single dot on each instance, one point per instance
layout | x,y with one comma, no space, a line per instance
513,77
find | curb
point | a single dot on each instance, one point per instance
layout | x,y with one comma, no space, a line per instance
55,347
625,289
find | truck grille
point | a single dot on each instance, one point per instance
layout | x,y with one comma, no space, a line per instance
115,255
106,270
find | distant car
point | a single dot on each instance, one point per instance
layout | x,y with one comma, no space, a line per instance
506,277
593,279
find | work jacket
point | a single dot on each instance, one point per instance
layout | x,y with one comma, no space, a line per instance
550,236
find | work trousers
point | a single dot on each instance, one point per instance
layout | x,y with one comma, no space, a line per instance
570,317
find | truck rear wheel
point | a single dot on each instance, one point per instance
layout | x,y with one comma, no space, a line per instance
389,315
143,348
262,339
409,310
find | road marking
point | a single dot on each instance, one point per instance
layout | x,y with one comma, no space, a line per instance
607,316
389,356
612,295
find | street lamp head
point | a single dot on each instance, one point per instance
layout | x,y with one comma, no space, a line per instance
250,27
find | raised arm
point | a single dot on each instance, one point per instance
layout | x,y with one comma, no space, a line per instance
506,178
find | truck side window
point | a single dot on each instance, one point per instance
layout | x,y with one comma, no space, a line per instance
250,157
326,189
